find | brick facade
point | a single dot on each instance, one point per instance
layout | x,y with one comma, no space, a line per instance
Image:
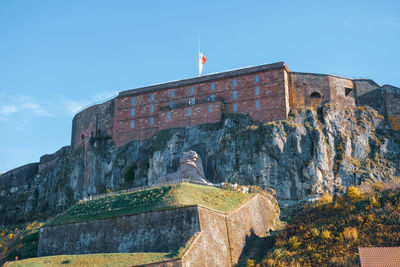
265,92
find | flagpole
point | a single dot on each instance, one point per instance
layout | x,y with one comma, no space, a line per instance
198,56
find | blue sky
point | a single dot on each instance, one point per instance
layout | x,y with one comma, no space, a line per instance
59,56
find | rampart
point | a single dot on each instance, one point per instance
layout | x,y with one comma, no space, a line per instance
97,120
161,231
14,202
217,238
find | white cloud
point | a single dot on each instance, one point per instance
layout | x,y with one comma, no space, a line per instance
73,106
35,108
8,109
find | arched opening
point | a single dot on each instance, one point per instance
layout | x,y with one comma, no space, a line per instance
315,98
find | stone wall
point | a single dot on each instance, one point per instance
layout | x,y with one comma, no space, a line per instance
163,231
95,121
342,91
302,85
392,101
15,203
211,247
255,218
216,238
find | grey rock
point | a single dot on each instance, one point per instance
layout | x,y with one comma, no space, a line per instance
310,153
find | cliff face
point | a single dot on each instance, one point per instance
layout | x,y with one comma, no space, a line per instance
302,157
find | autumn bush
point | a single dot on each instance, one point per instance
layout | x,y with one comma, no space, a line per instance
329,233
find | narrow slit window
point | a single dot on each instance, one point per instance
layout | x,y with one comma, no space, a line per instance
133,100
168,116
210,108
189,112
152,97
192,90
132,124
212,98
257,91
171,104
133,112
151,121
234,82
235,107
256,79
151,108
213,86
257,103
234,95
171,94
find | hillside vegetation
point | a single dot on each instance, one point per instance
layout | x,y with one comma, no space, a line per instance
330,232
19,240
160,198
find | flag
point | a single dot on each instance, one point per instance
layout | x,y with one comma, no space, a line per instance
202,60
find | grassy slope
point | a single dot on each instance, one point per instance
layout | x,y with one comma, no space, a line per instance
329,234
109,259
151,200
24,243
19,240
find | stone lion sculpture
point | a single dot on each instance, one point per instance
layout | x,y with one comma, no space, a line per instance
191,168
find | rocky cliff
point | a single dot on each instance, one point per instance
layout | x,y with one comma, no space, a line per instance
312,152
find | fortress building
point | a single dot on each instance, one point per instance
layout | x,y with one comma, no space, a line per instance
265,92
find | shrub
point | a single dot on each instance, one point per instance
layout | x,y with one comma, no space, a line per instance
325,199
354,194
250,263
10,236
350,233
315,232
294,242
326,234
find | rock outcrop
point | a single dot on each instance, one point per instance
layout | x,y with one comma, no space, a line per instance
302,157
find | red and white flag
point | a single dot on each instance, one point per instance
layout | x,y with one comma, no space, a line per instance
202,60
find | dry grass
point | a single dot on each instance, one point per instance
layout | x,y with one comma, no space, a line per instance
108,259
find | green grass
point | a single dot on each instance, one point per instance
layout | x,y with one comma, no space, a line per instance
161,198
106,259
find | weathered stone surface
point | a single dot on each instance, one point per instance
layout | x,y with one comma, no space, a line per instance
191,168
161,231
301,158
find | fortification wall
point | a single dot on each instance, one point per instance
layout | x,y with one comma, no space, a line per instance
50,160
342,91
303,85
392,107
15,201
212,245
255,218
262,93
163,231
223,236
97,120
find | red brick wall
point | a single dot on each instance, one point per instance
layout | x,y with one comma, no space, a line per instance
271,97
